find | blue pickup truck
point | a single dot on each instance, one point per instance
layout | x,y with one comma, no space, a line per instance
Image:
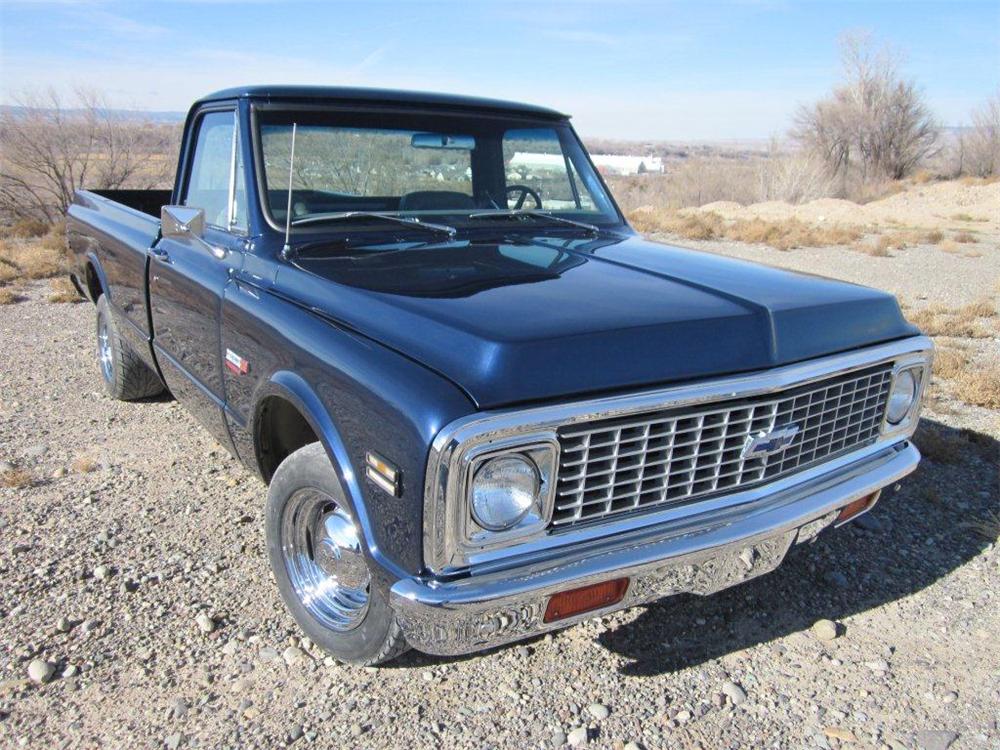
485,408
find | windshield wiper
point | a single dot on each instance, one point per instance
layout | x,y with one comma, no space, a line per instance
414,223
517,213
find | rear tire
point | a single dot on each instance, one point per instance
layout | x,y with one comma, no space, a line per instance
317,556
126,377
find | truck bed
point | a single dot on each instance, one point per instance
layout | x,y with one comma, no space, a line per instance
146,201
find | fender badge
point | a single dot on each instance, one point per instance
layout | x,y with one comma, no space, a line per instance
236,363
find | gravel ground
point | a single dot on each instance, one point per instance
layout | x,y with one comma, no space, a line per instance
138,610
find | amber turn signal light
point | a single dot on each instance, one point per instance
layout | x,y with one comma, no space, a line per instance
577,601
860,505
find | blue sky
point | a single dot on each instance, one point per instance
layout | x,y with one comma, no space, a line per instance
664,70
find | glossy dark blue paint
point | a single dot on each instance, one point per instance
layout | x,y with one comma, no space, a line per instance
380,352
550,318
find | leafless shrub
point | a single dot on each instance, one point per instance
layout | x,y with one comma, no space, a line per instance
874,125
51,147
16,479
980,148
980,387
791,176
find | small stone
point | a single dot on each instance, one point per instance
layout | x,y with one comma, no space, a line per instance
41,671
599,711
736,694
173,741
869,522
558,739
102,572
578,737
295,732
825,630
205,623
839,733
6,466
357,730
59,473
89,626
879,665
268,654
64,625
292,655
632,746
427,676
837,579
523,651
949,697
935,739
683,717
71,671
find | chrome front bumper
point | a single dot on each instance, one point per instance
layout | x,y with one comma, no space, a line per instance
703,555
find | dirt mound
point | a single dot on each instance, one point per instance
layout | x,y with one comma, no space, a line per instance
951,205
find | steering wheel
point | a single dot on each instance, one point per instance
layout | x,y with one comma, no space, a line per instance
521,192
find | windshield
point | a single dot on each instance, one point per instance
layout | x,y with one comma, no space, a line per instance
439,168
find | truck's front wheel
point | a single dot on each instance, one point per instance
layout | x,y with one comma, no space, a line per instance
316,553
126,377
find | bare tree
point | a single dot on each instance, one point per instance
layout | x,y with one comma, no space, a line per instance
980,147
48,150
874,123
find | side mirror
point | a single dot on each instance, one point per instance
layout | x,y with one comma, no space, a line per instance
187,222
182,221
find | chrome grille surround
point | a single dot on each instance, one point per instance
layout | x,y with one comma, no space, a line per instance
448,550
680,455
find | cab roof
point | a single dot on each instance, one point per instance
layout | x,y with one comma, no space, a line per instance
348,94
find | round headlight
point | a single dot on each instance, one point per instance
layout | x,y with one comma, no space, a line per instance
503,491
904,390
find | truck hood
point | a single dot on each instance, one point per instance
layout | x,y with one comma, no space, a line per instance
542,318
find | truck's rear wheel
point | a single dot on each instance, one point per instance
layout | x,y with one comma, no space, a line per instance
316,554
125,376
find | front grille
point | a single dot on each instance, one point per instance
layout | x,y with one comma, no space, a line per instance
672,457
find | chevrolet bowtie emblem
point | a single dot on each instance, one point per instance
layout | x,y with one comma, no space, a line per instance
765,443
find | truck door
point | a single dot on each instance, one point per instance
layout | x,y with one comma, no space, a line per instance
188,275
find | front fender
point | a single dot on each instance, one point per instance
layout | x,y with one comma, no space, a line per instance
294,389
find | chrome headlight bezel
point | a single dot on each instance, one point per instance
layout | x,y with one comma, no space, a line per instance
919,366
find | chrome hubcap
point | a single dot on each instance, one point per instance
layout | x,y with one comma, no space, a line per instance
104,350
322,552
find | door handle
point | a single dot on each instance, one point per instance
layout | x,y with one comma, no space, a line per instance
160,254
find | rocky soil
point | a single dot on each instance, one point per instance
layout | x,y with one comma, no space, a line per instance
137,608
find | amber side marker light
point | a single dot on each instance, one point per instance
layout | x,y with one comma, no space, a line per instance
577,601
856,508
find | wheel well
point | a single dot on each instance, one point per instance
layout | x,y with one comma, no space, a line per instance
281,430
93,283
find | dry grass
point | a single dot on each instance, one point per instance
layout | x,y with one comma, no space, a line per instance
965,238
932,237
16,479
879,249
84,464
950,246
8,296
37,258
25,229
949,363
980,387
988,527
941,445
8,271
706,225
961,322
63,291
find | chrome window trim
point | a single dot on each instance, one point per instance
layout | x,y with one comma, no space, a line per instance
444,488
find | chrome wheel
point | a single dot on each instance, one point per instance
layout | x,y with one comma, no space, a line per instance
104,350
321,548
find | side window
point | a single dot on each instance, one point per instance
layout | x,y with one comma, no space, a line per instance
211,166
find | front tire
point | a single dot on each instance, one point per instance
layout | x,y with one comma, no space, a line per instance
316,553
126,377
